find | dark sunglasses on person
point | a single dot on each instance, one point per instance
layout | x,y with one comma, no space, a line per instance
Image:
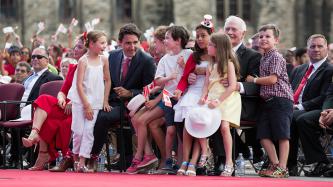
37,56
24,52
20,70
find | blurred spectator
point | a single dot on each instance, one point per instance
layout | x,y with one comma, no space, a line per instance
255,42
190,44
14,58
55,53
289,56
25,54
22,71
301,57
64,66
330,52
158,44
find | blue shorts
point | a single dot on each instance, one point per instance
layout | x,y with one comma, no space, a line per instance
169,113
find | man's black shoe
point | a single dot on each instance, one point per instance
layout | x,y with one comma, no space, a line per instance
318,171
293,171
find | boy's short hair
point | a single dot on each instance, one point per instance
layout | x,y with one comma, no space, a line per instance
273,27
130,29
179,32
160,32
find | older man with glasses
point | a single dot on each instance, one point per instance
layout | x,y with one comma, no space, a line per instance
40,75
22,71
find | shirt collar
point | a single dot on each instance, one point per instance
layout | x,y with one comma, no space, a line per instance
316,65
237,47
41,71
268,53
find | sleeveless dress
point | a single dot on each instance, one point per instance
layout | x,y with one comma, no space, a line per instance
93,85
231,107
191,98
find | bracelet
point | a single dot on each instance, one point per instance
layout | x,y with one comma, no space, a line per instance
255,80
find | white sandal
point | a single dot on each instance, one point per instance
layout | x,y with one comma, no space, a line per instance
191,171
227,171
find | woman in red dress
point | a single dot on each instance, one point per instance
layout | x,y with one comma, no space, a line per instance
52,119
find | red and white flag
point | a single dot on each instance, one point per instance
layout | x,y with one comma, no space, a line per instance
147,89
166,98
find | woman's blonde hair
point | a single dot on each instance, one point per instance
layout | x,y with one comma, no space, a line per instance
224,53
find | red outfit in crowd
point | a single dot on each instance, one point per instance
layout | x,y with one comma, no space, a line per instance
189,68
9,68
56,130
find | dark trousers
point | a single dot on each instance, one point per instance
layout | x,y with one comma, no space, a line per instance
105,120
309,134
301,119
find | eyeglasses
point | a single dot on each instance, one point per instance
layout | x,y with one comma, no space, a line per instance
24,52
20,70
38,57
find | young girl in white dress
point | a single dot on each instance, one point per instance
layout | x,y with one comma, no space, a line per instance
197,63
89,93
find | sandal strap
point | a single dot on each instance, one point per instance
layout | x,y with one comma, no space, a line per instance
185,163
36,129
190,165
43,152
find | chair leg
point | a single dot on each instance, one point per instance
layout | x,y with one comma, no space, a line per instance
4,147
234,146
18,143
122,145
108,155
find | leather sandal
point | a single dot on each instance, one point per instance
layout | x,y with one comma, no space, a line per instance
227,171
32,139
41,162
183,168
191,170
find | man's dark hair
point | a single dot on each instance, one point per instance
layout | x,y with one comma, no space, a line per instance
130,29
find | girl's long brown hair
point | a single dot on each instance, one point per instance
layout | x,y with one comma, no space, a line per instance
224,53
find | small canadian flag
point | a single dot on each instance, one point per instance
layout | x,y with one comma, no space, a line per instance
147,89
166,98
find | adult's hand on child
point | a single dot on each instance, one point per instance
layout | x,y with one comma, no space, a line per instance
192,78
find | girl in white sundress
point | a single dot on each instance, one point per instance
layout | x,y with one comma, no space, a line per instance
197,63
89,93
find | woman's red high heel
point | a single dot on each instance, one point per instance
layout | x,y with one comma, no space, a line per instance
41,162
32,139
